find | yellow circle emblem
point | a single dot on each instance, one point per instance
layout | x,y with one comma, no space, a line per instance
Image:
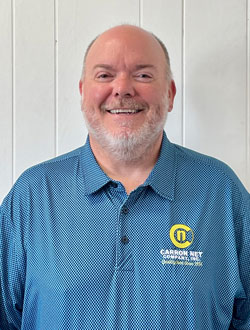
181,236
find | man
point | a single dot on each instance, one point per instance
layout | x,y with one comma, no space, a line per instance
129,231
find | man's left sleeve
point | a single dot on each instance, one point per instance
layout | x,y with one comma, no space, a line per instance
11,292
241,312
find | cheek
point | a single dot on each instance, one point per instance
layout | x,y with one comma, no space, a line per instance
95,96
153,94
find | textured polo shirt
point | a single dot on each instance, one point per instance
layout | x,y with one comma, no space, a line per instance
77,252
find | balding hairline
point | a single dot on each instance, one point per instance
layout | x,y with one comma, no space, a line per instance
165,51
169,75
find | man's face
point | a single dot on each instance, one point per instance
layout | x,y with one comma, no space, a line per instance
125,93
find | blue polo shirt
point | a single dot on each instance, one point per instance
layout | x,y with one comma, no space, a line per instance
77,252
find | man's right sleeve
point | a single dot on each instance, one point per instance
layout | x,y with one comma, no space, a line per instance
11,274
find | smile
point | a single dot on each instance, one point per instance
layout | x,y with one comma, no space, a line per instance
124,111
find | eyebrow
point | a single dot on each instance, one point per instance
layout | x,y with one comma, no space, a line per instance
137,67
103,66
144,66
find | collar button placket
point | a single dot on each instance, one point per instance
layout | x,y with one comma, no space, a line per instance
124,252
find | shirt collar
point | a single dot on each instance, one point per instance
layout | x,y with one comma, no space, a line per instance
161,178
94,176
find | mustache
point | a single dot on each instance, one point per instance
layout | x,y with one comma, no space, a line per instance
124,103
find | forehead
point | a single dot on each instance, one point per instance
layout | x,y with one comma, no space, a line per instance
128,45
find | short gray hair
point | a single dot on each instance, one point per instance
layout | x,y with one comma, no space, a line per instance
164,48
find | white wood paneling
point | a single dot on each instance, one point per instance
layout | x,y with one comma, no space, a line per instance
164,19
248,97
215,84
78,25
45,40
34,81
5,97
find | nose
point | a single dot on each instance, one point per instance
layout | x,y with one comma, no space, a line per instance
123,87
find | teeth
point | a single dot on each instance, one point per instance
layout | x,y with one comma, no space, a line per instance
124,111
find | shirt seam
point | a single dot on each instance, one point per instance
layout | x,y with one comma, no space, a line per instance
213,165
52,161
13,232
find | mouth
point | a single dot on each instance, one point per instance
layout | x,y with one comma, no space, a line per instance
124,111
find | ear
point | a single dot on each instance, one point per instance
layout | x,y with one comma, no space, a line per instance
81,92
171,95
81,86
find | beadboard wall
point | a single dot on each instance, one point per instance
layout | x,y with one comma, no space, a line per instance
42,47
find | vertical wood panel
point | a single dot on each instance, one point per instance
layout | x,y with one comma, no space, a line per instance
164,18
78,24
215,65
248,95
34,68
6,98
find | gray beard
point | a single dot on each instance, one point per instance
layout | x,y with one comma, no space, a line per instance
132,147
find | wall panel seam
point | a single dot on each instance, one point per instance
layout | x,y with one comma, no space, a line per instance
140,13
183,76
248,96
56,77
13,73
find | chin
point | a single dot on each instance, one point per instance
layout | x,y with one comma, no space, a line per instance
128,145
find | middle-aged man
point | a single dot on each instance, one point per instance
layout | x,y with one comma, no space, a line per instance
129,231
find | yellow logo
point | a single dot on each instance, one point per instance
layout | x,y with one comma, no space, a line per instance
181,236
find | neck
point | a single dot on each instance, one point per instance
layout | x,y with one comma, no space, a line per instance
130,173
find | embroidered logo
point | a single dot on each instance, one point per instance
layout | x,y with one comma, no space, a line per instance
181,236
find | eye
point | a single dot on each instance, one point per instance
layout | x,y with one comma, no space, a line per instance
104,76
145,77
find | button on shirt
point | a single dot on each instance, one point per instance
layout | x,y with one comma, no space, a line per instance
77,252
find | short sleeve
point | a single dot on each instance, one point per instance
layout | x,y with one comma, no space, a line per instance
11,275
241,312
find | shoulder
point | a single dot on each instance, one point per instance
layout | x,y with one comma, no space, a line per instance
208,170
57,171
53,167
62,161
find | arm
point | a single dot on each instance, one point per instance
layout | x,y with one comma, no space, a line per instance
241,312
11,275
